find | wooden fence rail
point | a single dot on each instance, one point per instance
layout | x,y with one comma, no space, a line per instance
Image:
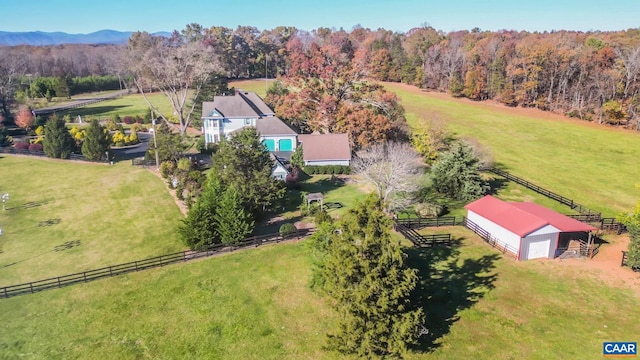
420,240
419,223
78,103
550,194
504,248
14,151
138,265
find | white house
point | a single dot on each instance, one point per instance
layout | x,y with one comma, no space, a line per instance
528,230
325,149
226,114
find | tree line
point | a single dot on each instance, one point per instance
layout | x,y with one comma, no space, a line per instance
589,75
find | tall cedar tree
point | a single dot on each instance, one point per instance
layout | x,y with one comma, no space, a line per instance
232,220
200,229
58,142
632,222
364,271
96,142
457,174
244,162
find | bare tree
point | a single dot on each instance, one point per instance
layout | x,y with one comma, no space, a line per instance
393,169
177,68
12,67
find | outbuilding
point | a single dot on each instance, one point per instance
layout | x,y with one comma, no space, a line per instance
526,229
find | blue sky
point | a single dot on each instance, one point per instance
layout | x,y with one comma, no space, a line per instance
84,16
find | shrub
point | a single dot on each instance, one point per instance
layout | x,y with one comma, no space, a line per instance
327,169
128,120
139,119
167,168
36,147
430,209
21,146
287,229
321,217
137,128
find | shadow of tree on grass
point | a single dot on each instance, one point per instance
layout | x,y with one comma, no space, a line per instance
446,286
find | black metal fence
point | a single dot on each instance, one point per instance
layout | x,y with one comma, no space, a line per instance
138,265
595,215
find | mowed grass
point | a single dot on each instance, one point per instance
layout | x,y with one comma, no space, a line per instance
252,304
256,304
65,217
129,105
594,165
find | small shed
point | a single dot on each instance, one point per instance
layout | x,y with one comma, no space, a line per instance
530,230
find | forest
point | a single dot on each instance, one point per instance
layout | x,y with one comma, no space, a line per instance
593,76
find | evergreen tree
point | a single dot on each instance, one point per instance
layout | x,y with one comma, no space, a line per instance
199,229
96,142
632,222
457,174
233,222
364,271
244,163
170,145
297,158
58,142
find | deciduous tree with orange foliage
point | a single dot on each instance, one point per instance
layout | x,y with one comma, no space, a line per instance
25,118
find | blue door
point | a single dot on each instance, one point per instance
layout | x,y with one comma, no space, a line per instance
270,144
285,145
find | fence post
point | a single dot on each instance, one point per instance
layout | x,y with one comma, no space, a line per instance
84,274
31,286
58,281
5,292
622,261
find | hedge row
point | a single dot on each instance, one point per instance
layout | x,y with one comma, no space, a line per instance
327,169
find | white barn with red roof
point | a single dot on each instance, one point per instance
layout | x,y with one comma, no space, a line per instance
528,230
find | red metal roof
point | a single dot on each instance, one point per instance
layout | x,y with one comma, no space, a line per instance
562,222
524,218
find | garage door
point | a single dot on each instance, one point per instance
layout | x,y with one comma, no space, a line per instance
285,145
539,249
270,144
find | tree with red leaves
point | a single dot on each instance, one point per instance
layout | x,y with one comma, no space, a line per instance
25,118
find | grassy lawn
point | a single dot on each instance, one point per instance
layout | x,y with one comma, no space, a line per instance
594,165
255,304
130,105
66,217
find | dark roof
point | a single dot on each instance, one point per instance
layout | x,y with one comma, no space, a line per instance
273,126
318,147
240,105
259,105
524,218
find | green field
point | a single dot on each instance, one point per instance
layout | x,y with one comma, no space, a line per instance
130,105
104,214
256,304
594,165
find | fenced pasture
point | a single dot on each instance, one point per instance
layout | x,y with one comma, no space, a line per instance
595,164
110,214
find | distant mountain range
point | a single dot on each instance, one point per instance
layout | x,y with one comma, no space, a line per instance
57,38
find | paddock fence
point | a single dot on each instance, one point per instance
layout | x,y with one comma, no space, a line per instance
419,223
149,263
594,216
420,240
504,248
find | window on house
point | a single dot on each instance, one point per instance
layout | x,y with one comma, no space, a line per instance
247,121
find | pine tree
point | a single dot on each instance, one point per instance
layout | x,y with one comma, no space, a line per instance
457,174
58,142
364,271
233,222
244,162
96,142
199,229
